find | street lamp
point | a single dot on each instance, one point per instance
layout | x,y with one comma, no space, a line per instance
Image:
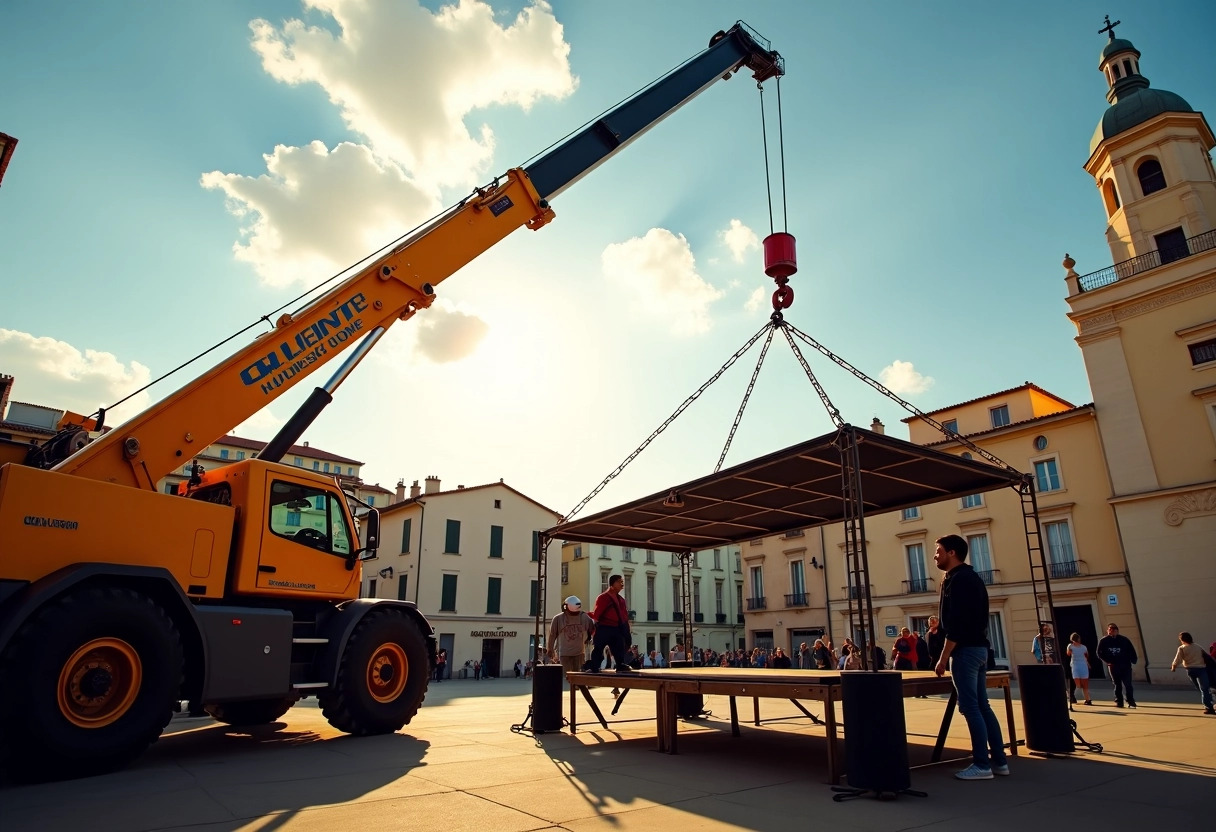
7,145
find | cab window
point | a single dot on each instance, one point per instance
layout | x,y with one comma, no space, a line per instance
309,516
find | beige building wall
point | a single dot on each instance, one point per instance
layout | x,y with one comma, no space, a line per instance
652,591
1146,328
472,623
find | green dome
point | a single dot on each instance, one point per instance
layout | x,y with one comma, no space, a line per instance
1135,108
1117,45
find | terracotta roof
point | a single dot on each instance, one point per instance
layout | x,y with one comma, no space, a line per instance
22,426
1024,386
298,450
1045,417
378,488
38,406
424,497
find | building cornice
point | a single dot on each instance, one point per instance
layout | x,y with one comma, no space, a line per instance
1158,493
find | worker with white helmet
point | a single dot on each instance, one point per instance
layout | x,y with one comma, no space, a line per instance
569,634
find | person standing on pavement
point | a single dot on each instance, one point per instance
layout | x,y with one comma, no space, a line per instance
568,635
1119,654
903,651
821,655
611,625
921,651
1190,656
780,660
1078,656
1044,649
963,614
805,660
935,640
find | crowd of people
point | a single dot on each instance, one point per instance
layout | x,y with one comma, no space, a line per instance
607,629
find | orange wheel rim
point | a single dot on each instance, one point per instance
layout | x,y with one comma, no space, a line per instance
387,671
99,683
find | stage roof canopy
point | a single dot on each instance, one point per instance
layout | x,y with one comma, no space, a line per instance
795,488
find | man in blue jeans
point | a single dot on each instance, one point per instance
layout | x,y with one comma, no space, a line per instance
963,615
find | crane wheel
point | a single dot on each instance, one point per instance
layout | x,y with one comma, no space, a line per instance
251,711
382,677
99,672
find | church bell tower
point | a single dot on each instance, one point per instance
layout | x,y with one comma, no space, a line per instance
1149,159
1146,327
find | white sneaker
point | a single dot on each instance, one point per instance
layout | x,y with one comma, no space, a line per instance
974,772
1002,770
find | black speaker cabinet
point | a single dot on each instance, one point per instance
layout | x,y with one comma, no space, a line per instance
688,705
1044,693
875,732
547,697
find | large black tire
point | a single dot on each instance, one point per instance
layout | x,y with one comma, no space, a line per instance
251,711
89,682
382,677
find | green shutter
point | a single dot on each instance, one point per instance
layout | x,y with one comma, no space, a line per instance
535,546
494,596
405,535
451,543
495,541
403,586
447,601
535,598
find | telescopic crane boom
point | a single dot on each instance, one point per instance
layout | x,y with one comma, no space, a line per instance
171,432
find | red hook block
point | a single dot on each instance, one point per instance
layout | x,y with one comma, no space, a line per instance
780,259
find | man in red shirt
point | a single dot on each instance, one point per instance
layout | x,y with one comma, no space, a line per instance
611,626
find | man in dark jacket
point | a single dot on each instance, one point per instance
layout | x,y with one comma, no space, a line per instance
935,637
1119,654
964,617
921,650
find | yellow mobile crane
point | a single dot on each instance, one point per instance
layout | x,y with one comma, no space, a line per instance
117,601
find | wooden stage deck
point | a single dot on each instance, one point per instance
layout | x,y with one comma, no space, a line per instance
794,685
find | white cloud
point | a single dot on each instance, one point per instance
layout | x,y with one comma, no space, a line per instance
739,239
901,377
660,275
317,211
58,375
755,301
407,78
448,333
261,425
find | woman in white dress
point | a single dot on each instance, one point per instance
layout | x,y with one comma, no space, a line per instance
1078,655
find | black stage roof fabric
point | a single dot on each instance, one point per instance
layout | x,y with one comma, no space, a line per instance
795,488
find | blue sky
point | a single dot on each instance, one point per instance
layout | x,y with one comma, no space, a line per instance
183,170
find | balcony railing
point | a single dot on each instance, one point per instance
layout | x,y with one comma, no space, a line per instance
1067,569
720,618
851,592
990,576
798,599
677,616
652,615
1136,265
918,585
633,614
756,604
698,617
739,618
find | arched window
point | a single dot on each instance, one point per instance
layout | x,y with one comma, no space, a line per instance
1110,196
1152,179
